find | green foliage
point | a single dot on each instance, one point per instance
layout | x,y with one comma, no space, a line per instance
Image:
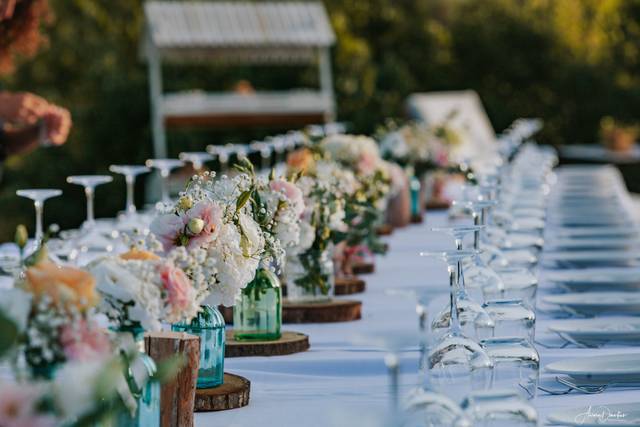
569,62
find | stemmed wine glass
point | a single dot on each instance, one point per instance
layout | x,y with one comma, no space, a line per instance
197,158
264,149
474,319
164,166
130,173
89,182
222,153
456,363
39,196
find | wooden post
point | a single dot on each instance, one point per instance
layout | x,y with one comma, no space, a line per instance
177,398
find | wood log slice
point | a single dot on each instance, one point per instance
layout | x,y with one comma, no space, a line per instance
289,343
232,394
363,268
178,396
321,312
417,219
348,286
385,230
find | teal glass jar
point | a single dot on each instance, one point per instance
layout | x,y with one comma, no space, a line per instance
415,188
209,326
258,314
147,395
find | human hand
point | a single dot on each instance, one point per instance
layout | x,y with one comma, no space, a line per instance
21,107
6,9
57,122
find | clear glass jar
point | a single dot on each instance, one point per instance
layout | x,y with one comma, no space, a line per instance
148,396
258,314
209,326
310,276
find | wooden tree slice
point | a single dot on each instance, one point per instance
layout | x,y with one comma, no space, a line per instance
321,312
289,343
364,268
384,230
438,204
227,314
348,285
232,394
177,397
416,219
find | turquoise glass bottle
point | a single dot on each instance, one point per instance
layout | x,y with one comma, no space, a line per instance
258,314
148,396
209,326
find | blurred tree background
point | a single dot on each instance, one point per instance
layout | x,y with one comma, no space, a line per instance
569,62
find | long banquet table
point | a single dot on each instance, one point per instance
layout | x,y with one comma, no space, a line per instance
338,383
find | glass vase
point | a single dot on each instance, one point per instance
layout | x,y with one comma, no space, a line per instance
147,397
310,276
415,190
209,326
258,314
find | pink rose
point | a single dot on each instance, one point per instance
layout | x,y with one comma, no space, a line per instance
291,192
211,216
19,406
168,229
178,287
84,341
367,163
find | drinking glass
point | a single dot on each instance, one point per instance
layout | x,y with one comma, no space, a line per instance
456,363
516,365
476,323
89,183
264,149
222,153
164,167
39,196
197,158
499,408
512,318
130,173
517,283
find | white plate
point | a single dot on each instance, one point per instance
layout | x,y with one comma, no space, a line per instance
615,414
606,276
591,242
609,367
590,257
586,232
597,302
601,329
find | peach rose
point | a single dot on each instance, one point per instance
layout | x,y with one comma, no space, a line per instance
139,255
84,341
301,160
177,285
67,286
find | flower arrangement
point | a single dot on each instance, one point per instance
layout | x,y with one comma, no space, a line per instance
53,306
214,230
617,135
141,290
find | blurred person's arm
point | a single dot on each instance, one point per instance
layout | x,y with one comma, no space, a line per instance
54,127
6,9
22,107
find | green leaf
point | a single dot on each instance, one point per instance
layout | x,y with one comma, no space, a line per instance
243,199
8,334
169,368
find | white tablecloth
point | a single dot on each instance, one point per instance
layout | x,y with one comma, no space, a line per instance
337,383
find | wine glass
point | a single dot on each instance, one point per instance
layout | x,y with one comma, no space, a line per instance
491,254
164,166
39,196
456,363
196,158
130,173
422,408
474,319
89,183
222,153
264,149
499,408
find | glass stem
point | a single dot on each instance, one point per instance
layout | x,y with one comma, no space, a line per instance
393,366
455,322
164,185
131,205
88,191
38,204
476,234
422,327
